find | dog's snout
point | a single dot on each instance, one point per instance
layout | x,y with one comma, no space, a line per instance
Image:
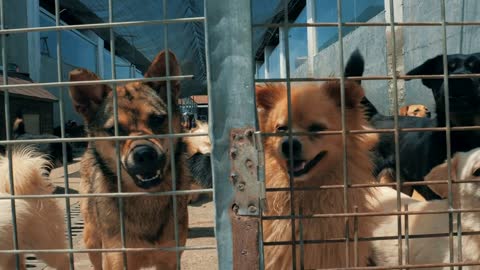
463,87
144,154
296,148
145,160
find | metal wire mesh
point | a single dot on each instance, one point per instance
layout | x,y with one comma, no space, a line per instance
403,236
351,219
117,138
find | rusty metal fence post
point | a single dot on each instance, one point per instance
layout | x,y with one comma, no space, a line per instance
232,108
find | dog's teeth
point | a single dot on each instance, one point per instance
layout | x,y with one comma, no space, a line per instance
148,179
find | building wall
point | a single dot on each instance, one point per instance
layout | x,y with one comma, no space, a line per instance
17,44
49,74
422,43
371,42
27,106
419,44
76,52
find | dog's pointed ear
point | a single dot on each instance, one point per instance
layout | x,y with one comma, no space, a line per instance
433,66
354,93
355,66
87,99
440,172
403,111
158,68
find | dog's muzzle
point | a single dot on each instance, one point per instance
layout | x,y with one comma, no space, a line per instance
300,165
145,165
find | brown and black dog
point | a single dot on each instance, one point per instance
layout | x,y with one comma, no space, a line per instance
416,110
145,166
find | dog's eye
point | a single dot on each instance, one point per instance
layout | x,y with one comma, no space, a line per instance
157,120
317,128
110,131
477,172
282,128
452,66
473,66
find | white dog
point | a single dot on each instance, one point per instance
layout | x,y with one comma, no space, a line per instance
40,223
435,249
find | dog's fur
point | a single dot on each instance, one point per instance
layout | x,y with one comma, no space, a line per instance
315,107
52,151
149,220
417,110
421,151
198,150
40,222
465,166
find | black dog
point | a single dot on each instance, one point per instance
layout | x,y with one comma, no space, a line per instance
52,151
200,166
421,151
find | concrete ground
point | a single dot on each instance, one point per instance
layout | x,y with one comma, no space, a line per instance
201,232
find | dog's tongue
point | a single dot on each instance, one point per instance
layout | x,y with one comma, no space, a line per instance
298,165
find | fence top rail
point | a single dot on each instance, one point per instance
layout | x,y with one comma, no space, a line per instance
108,25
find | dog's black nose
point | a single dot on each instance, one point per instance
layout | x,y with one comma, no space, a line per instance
296,148
145,160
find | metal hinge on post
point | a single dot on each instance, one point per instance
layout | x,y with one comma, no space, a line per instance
248,172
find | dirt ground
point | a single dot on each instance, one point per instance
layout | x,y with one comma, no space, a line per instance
201,229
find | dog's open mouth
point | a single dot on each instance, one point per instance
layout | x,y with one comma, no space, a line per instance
144,178
146,181
301,167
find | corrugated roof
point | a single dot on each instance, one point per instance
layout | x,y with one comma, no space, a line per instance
31,92
185,39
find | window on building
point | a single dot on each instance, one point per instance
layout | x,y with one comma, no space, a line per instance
261,72
274,63
297,39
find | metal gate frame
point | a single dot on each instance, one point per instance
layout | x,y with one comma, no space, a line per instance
230,72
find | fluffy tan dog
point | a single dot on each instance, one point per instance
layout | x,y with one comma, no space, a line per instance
317,161
40,223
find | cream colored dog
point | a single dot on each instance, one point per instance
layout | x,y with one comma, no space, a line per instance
40,223
435,250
